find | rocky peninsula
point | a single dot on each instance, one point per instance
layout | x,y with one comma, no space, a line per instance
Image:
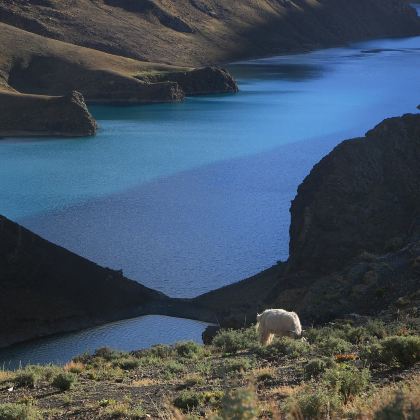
41,115
38,69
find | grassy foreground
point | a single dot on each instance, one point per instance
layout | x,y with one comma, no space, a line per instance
367,370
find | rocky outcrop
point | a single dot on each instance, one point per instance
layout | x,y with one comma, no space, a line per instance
203,81
33,115
363,197
354,235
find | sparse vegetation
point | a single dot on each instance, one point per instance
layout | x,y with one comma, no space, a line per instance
284,347
14,411
340,372
240,404
64,381
233,341
26,378
347,381
317,366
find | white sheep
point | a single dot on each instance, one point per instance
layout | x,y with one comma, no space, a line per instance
277,322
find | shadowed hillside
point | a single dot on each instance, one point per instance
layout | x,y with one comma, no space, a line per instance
46,289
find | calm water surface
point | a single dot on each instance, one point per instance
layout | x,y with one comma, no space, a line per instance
193,196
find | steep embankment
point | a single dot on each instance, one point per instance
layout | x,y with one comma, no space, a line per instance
197,32
45,289
354,236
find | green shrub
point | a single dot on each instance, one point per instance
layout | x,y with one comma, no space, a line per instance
334,345
27,378
191,381
356,335
265,375
161,351
188,349
400,350
106,373
121,409
12,411
376,328
371,353
315,367
64,381
316,335
398,409
188,400
109,354
284,347
45,372
405,351
128,363
172,368
313,402
232,341
240,404
348,381
235,365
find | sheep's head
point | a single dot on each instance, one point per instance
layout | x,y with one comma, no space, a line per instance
294,334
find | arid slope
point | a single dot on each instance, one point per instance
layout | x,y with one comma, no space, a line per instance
197,32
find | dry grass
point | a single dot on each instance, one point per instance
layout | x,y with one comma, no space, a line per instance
146,382
263,374
74,367
6,376
283,391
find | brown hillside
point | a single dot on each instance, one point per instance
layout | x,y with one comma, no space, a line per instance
196,32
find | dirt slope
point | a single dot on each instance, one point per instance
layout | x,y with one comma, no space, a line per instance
197,32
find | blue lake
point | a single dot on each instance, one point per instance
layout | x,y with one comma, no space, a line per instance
189,197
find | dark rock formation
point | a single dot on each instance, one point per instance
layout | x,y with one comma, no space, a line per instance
363,196
45,289
209,333
355,235
31,115
204,81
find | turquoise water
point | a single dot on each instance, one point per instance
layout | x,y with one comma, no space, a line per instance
189,197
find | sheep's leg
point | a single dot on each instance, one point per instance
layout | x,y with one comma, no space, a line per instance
265,337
